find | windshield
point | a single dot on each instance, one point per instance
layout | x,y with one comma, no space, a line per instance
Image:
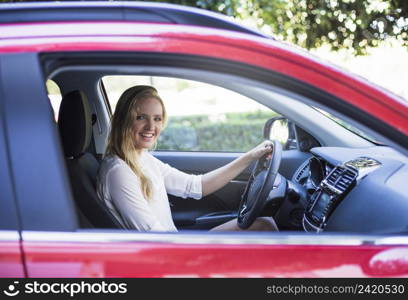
349,127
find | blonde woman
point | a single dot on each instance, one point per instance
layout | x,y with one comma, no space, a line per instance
134,185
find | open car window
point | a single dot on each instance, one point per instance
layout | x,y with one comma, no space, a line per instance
209,126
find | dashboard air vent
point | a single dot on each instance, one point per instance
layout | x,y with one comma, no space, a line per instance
302,172
345,180
334,175
341,178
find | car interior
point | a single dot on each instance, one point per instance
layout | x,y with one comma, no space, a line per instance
328,177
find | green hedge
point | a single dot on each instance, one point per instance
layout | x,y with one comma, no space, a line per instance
231,132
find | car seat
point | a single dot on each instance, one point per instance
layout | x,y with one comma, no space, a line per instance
75,127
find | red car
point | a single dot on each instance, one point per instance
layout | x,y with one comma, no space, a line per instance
336,186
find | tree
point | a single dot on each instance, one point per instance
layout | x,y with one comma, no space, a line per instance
343,24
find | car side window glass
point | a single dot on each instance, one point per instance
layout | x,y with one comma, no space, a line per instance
54,94
202,117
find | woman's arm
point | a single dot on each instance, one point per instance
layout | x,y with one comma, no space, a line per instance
214,180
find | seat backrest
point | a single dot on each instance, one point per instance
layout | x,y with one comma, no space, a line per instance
75,127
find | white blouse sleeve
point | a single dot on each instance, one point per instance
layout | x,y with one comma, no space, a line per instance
127,196
180,184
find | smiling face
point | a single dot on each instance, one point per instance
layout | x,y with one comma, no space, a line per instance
148,123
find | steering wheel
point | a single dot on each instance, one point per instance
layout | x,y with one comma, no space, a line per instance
262,188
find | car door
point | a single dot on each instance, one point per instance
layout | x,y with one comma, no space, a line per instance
54,245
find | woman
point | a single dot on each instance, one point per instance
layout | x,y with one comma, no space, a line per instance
134,184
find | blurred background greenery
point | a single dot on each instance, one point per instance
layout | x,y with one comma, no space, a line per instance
239,132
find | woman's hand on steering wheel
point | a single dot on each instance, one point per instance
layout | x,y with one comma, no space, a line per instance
261,150
260,186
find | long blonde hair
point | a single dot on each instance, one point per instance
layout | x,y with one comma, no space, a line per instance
120,140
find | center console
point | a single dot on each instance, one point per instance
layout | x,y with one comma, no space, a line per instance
327,196
332,190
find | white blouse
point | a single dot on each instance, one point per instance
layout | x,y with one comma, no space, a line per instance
120,189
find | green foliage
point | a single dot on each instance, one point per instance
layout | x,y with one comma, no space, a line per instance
237,132
343,24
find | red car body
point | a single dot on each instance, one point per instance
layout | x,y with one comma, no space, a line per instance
25,253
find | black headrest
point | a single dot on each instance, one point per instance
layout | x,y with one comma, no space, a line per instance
75,123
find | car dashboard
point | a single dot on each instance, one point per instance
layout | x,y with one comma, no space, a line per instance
355,190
